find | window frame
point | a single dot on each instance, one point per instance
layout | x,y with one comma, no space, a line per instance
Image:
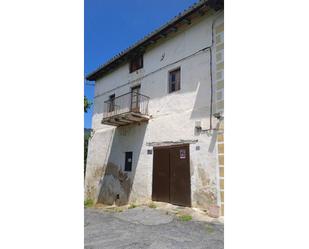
136,63
169,82
126,169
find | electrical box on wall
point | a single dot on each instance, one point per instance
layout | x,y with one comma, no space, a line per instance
198,125
202,124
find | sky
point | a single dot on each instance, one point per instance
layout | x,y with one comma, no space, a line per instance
112,26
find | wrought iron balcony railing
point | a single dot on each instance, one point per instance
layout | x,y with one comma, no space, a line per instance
125,109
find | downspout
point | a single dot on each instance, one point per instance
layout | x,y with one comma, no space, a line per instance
211,77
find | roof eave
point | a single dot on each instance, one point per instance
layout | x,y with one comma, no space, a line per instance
148,40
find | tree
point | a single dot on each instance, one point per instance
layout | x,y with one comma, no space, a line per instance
87,104
87,134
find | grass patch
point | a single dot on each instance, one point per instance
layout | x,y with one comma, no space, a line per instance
185,217
152,205
88,203
209,229
118,210
132,206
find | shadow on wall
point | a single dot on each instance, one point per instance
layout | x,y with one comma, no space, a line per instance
201,107
116,184
214,137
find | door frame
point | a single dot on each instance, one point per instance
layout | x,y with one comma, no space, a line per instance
136,108
153,168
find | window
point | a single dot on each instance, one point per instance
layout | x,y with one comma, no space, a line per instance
111,106
128,161
174,80
136,63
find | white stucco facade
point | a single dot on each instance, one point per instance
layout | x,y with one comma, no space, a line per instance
173,118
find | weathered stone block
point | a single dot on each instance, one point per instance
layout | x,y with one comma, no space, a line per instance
221,171
221,148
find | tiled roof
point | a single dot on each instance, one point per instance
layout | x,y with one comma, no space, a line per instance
202,5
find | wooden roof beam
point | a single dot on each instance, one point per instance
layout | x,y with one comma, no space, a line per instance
187,21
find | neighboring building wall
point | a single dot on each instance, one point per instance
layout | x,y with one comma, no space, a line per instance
219,94
173,119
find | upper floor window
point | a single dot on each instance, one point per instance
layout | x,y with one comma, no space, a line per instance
136,63
174,80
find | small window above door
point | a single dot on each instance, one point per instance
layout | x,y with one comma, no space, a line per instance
128,161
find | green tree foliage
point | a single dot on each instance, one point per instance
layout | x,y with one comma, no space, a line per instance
87,104
87,133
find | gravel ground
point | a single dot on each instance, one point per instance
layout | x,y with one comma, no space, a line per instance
143,227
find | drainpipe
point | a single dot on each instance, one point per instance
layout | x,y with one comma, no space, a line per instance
211,77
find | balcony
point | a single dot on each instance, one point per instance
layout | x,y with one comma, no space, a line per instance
126,109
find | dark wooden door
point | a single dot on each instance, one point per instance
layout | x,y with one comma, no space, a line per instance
135,98
171,175
180,186
161,175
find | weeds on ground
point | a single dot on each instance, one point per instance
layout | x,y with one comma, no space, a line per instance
118,209
185,217
152,205
88,203
132,205
209,228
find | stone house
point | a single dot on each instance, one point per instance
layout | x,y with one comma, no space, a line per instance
158,116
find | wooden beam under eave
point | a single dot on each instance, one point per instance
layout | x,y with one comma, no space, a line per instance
201,12
187,21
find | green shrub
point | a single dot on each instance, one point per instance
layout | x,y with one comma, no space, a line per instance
88,203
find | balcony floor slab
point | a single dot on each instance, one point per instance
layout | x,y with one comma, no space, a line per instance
125,119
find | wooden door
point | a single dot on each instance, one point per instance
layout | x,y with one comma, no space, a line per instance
171,175
135,98
180,186
161,175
